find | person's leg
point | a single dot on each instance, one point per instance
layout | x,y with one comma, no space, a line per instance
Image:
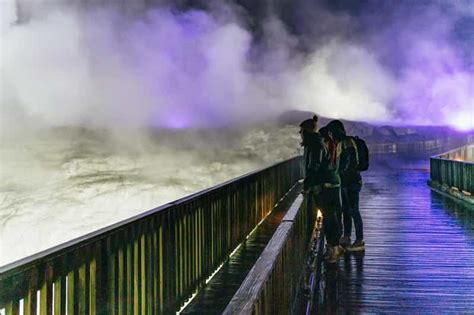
331,228
359,244
333,214
354,202
334,210
346,212
337,204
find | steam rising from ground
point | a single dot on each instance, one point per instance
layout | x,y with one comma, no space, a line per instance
98,66
64,183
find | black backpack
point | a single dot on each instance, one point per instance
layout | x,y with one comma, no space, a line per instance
362,154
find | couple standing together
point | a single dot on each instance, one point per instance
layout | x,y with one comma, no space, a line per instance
332,183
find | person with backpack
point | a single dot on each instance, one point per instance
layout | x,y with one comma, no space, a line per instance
353,158
322,186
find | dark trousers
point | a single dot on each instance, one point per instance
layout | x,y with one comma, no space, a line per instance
350,210
329,202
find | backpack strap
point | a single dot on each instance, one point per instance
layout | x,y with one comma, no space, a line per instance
354,144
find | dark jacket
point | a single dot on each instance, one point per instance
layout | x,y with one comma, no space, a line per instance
313,158
348,162
331,177
317,163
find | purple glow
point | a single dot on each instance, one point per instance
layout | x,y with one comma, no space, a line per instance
177,122
198,69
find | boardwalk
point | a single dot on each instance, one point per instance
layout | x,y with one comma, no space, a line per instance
215,296
419,256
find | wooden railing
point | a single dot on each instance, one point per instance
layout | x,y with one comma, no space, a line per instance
454,170
463,154
151,263
417,147
271,286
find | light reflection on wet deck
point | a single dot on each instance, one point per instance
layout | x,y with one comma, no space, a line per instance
419,256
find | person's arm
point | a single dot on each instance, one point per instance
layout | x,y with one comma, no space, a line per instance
316,153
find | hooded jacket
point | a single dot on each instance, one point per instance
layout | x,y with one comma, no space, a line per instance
347,149
319,170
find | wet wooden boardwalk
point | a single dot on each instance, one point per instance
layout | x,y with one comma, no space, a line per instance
419,256
214,297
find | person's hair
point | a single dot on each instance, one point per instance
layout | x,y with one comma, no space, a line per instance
309,124
324,132
337,129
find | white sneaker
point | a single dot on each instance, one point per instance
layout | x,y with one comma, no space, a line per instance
356,246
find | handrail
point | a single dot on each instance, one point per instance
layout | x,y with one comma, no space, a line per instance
463,149
445,153
153,261
100,233
420,146
272,284
452,175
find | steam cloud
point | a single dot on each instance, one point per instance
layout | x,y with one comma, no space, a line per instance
121,65
101,66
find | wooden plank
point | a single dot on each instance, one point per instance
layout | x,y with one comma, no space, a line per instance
46,291
92,281
294,209
112,274
251,289
179,256
30,300
161,261
187,261
71,296
60,295
81,285
129,271
101,276
12,308
150,264
121,274
143,267
136,273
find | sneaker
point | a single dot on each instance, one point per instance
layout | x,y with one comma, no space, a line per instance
345,241
334,254
358,245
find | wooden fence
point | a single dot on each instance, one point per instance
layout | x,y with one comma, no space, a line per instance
417,147
151,263
454,170
271,286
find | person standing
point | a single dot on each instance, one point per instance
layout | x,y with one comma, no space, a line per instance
351,184
322,185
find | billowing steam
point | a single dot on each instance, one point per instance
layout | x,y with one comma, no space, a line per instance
105,75
98,66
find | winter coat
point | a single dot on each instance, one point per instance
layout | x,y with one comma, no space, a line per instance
347,152
319,170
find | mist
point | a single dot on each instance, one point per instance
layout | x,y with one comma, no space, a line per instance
111,109
99,65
